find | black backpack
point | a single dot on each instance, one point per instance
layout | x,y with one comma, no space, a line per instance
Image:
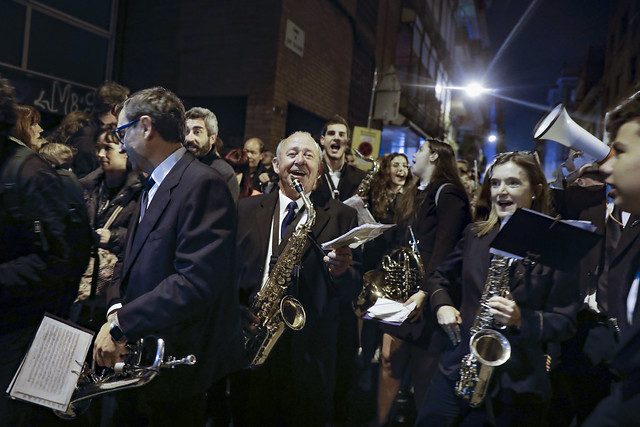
78,233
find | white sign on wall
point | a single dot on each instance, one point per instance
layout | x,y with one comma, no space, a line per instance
294,38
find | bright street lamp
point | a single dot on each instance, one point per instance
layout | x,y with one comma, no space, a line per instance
492,138
475,89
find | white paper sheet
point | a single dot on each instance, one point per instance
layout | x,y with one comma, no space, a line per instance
50,369
390,311
357,236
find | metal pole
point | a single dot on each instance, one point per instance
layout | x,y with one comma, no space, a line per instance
373,95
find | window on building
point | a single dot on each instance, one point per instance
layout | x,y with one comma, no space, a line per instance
65,39
11,32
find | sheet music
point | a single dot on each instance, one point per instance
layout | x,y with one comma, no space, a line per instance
49,371
364,216
357,236
389,311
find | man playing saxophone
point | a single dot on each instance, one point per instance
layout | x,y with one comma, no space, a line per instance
530,305
295,385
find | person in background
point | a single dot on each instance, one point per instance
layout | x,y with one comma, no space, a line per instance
60,156
440,213
35,254
108,96
203,142
239,161
27,128
69,126
263,179
110,195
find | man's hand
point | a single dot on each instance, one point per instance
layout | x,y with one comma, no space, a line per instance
264,177
104,234
505,311
339,260
107,352
450,320
250,321
419,297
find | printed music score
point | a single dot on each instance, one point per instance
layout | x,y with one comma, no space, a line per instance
50,370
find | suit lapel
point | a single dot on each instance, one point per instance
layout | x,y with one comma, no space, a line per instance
156,208
264,218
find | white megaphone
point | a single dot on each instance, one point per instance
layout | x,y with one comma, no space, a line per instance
558,126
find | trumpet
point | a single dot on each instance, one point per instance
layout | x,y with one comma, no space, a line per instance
136,370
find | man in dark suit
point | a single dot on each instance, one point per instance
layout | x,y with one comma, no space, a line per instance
620,408
201,140
339,179
295,385
175,281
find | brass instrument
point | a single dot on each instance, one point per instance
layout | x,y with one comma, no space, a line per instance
272,306
363,189
397,279
489,348
133,372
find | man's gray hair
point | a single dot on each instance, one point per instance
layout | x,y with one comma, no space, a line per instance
300,134
210,119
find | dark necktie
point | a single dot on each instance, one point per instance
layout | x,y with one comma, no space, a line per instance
288,219
148,185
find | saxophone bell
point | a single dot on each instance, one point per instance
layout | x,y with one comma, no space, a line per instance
292,313
490,347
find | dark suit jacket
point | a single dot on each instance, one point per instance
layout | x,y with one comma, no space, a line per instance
347,186
547,299
312,350
225,170
438,227
624,265
176,278
587,204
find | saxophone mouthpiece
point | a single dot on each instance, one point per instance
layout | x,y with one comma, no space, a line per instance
297,185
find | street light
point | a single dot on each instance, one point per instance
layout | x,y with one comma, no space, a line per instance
492,138
475,89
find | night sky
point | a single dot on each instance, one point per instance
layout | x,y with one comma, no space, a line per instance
556,35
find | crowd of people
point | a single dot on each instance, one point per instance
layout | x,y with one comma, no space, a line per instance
133,221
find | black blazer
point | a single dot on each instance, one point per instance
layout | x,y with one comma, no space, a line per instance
347,186
548,301
312,350
624,265
176,278
439,226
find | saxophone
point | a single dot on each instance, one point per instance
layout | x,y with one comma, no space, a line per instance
489,348
272,306
363,189
398,277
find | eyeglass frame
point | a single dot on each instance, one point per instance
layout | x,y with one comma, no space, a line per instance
124,127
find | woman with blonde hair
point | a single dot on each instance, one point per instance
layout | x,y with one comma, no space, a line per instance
540,309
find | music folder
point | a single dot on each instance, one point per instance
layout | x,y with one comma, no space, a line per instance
556,243
50,370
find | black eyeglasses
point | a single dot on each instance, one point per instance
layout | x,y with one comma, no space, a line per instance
121,131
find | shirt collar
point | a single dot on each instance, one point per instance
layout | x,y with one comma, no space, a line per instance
284,201
162,170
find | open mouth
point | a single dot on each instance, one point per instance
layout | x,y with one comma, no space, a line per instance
297,173
505,204
335,146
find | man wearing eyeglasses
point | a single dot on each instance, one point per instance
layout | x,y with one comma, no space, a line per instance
175,280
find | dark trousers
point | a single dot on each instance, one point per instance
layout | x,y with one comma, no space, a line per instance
136,409
443,408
